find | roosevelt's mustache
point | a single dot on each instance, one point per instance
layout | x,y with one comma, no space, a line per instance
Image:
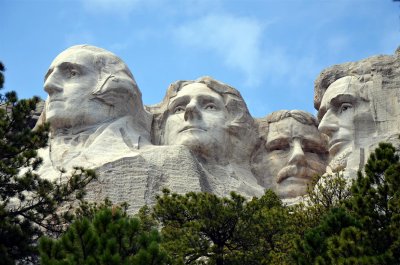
295,171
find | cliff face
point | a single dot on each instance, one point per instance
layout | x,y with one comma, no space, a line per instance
201,137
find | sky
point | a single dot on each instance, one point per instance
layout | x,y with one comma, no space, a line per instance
270,50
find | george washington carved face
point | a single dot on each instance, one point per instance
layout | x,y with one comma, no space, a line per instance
88,85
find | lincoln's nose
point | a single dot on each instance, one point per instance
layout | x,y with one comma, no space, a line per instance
328,124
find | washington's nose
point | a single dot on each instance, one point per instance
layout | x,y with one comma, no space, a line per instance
297,156
328,124
192,111
52,84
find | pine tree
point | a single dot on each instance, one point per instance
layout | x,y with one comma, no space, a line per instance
376,204
365,228
28,203
202,228
104,235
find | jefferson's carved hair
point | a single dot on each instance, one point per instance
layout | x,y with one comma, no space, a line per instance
239,116
239,124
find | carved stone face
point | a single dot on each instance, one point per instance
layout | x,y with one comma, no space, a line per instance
197,117
295,154
341,112
69,82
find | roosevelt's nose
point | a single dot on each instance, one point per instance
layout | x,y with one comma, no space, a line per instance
297,156
192,111
328,124
52,84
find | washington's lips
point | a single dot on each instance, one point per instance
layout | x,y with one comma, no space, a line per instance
191,127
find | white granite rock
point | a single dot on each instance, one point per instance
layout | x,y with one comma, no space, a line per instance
290,154
358,107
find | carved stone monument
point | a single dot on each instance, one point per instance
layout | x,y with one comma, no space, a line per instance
358,107
291,152
94,109
212,120
201,137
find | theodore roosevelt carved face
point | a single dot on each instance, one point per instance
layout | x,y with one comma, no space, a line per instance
89,85
293,154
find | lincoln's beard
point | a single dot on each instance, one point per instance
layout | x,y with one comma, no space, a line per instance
339,161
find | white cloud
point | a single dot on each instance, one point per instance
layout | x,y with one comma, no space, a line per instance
237,40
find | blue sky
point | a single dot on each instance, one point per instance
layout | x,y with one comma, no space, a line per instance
270,50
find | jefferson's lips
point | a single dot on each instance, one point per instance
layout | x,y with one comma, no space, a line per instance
186,128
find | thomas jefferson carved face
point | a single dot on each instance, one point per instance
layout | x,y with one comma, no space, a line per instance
295,154
196,118
341,114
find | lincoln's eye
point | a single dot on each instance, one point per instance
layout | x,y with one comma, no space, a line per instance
179,109
345,107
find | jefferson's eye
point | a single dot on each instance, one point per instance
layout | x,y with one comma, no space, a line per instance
179,109
344,107
210,106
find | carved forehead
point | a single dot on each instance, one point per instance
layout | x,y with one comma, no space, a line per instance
78,56
290,128
195,90
348,85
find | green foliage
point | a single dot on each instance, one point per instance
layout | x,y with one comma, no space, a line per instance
104,235
2,69
28,203
365,228
201,228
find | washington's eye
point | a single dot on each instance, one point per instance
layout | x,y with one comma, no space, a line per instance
179,109
73,72
210,106
344,107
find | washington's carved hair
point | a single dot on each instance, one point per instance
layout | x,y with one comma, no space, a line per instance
116,83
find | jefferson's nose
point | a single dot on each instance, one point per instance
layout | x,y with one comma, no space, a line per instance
297,156
328,124
192,111
52,84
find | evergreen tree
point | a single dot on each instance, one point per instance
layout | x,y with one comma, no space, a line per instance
28,203
365,228
202,228
376,205
104,235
